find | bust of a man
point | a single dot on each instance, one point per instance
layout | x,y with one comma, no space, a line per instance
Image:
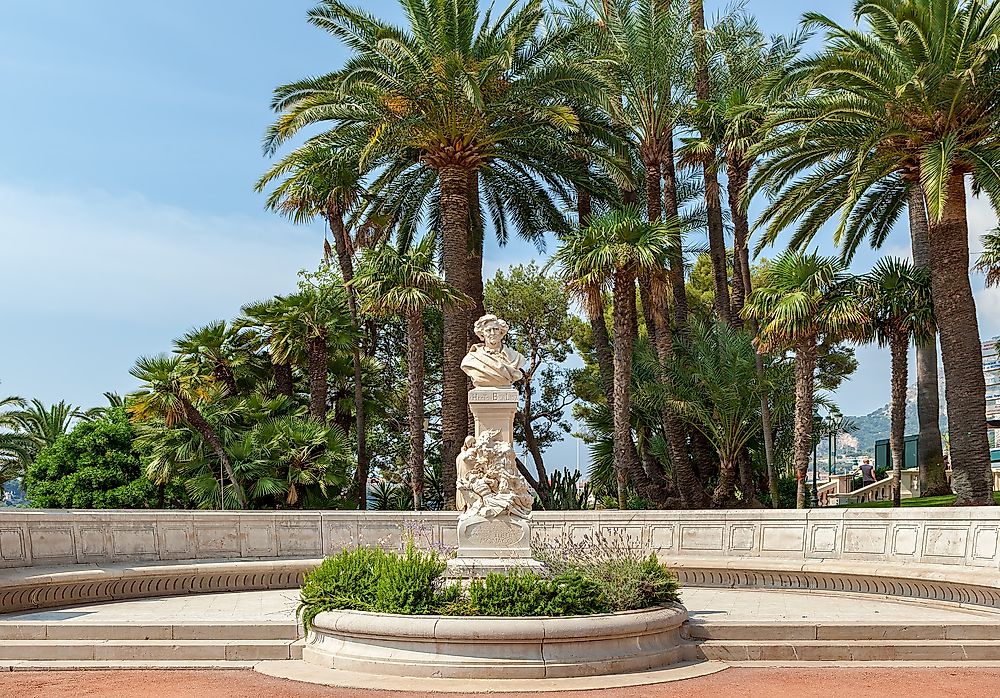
490,364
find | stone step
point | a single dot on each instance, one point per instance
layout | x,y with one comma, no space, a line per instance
848,650
750,630
78,665
148,650
48,630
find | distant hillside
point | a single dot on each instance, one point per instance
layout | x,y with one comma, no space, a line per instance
875,425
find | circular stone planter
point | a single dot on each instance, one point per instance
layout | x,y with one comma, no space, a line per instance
498,648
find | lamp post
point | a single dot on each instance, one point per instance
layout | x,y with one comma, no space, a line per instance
815,492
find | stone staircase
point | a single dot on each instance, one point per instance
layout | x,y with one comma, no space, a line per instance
732,641
45,644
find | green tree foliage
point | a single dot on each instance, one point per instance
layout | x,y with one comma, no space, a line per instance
96,466
907,98
537,309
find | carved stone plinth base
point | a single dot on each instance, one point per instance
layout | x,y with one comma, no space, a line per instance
499,544
500,537
478,567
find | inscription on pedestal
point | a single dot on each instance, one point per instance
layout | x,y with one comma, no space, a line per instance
490,534
481,395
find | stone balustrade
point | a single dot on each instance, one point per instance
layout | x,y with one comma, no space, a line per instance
940,553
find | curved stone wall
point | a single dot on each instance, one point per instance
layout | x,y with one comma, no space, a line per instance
949,554
498,648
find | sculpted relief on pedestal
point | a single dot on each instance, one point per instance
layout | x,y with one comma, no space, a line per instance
489,485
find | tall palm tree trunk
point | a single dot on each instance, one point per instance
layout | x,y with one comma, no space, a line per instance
197,420
624,319
898,348
594,307
654,304
283,379
671,210
713,198
342,243
738,175
454,395
930,453
766,424
805,365
415,403
318,388
961,351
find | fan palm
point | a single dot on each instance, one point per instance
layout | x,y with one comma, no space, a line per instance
318,183
269,327
913,99
616,248
453,96
801,300
215,348
896,298
392,281
716,388
317,317
170,392
295,454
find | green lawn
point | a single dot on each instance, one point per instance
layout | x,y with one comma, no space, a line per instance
945,501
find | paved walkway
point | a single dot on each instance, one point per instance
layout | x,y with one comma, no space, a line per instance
704,605
908,682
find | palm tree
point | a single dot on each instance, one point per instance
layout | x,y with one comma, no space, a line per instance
170,392
715,386
801,300
16,448
989,259
709,162
391,281
40,425
619,246
268,327
317,317
452,98
913,99
294,454
896,298
648,43
214,348
318,183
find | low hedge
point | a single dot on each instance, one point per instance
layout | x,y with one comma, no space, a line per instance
411,583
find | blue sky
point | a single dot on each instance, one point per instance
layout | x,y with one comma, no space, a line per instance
127,211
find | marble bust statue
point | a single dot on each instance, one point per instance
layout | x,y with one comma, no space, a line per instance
490,364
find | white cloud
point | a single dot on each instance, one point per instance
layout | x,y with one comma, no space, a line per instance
97,253
94,279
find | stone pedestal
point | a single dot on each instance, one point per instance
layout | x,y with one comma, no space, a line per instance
501,542
494,409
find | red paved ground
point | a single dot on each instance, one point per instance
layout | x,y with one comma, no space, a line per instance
731,683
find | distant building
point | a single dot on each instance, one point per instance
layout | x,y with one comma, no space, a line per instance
991,371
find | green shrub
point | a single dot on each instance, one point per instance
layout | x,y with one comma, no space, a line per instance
97,466
520,593
602,575
628,578
407,584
